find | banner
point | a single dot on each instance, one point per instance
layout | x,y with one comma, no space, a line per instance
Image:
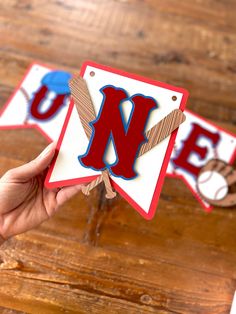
42,99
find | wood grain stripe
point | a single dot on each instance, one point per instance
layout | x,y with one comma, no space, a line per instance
110,192
162,130
86,189
83,103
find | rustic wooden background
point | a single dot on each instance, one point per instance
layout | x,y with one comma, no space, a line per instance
96,256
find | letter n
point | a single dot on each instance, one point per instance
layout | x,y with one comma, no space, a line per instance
109,125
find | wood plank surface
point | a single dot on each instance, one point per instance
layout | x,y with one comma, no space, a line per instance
99,256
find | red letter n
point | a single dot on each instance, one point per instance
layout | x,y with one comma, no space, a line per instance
127,137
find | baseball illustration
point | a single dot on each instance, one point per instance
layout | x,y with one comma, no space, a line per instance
212,185
214,182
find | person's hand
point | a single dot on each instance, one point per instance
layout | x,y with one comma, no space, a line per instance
24,201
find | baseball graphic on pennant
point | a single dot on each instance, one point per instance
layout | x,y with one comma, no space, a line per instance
214,182
119,131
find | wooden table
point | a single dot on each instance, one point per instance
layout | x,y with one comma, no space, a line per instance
98,256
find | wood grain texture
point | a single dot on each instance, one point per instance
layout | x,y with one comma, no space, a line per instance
98,255
162,130
83,103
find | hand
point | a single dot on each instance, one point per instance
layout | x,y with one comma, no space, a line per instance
24,201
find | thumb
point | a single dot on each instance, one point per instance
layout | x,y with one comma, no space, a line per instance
34,167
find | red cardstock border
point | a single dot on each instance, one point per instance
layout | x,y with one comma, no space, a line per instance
166,160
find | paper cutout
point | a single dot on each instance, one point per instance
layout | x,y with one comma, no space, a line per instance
154,136
142,192
214,182
40,101
127,138
198,142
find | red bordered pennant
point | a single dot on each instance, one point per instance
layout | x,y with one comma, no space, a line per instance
143,191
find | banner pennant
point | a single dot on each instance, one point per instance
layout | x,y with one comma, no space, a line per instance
143,191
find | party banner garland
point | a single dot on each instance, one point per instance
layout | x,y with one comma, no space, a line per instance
41,101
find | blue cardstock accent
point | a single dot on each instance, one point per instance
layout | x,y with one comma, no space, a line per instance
57,81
